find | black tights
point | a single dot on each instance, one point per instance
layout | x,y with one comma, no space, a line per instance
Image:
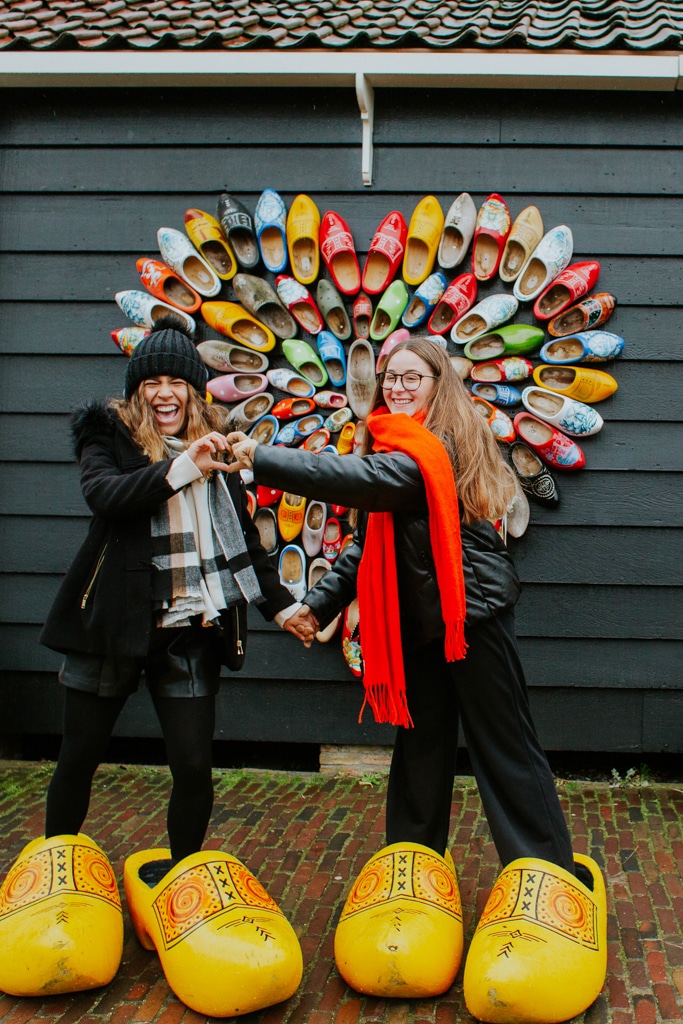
187,725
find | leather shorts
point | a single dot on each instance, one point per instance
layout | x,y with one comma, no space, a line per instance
183,662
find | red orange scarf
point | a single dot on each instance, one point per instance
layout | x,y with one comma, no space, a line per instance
384,677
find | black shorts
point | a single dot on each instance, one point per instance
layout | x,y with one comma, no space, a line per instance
183,662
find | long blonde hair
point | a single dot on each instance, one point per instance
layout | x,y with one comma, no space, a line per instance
136,413
485,482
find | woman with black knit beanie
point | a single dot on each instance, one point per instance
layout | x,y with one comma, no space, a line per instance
160,585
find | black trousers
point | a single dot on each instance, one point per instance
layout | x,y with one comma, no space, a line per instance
487,693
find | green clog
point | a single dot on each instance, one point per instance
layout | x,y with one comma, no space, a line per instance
304,359
513,340
389,311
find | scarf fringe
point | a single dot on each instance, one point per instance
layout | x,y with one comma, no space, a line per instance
385,708
455,645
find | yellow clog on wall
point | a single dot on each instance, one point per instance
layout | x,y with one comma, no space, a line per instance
224,945
400,932
539,954
422,242
232,320
579,382
303,235
207,236
290,515
61,928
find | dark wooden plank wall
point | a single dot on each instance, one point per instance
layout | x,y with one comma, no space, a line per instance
87,177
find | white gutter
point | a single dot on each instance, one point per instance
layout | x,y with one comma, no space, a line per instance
364,70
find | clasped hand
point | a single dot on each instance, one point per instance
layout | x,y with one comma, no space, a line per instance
303,625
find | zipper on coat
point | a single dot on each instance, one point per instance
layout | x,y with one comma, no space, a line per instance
238,632
86,595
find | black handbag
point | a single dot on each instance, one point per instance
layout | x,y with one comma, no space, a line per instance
233,630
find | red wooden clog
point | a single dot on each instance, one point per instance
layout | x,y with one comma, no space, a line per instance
385,254
339,253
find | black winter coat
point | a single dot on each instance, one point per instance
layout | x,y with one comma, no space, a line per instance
104,605
393,482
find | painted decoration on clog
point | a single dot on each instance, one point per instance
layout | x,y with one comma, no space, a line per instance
404,874
58,870
205,890
538,896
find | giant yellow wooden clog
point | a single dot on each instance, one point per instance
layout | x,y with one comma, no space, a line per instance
400,932
224,945
61,928
539,954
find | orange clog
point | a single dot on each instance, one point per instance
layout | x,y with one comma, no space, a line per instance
290,515
499,422
422,241
162,283
290,408
576,382
231,319
207,236
303,233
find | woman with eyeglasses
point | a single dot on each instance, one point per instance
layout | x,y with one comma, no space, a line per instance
436,589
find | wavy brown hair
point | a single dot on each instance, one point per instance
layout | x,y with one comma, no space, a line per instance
484,481
136,413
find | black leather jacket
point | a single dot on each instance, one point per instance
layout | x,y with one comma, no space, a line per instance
392,482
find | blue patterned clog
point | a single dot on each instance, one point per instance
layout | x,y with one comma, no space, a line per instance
484,317
499,394
332,354
270,221
550,257
584,347
143,309
424,300
568,415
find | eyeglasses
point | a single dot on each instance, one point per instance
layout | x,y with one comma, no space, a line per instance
410,381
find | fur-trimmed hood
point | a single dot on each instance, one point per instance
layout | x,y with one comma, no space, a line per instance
89,420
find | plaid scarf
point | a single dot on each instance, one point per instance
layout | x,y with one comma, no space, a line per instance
201,557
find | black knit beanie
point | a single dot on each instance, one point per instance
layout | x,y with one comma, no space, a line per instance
166,352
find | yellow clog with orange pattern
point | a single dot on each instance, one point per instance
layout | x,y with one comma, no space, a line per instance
207,236
579,382
539,953
232,320
422,240
303,236
61,927
224,945
290,515
400,932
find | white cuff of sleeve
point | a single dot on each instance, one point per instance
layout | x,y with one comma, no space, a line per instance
286,613
182,472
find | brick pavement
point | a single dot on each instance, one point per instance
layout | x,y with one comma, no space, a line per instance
307,836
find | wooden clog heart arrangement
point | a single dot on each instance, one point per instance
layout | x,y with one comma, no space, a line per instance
251,280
